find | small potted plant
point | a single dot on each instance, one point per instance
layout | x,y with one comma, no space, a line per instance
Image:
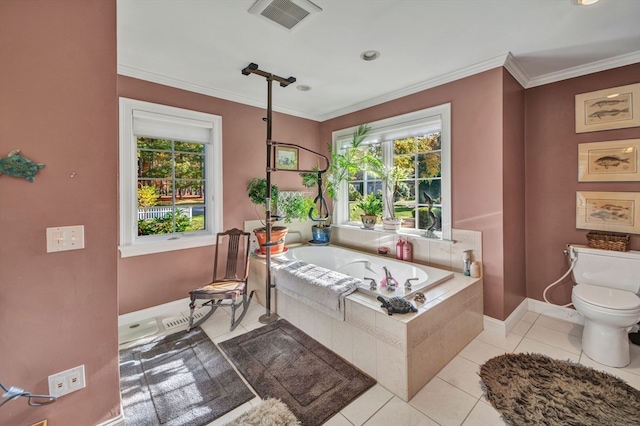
290,205
371,207
257,192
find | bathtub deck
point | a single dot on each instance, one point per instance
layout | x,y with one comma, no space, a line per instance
403,351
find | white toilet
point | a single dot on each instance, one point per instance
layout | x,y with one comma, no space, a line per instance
606,294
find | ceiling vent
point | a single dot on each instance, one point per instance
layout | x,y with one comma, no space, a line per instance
287,14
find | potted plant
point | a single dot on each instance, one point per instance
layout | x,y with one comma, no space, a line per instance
344,164
371,207
290,205
257,192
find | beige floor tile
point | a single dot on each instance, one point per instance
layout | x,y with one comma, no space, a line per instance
507,343
521,328
533,346
463,374
530,317
559,339
559,325
483,414
398,412
360,410
480,352
444,403
338,420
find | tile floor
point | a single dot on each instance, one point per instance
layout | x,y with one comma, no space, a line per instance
454,396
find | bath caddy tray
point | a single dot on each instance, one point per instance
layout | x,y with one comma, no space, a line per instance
608,241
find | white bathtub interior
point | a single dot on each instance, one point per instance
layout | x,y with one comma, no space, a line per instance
366,268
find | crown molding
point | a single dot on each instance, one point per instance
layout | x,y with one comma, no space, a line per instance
603,65
496,61
506,60
203,90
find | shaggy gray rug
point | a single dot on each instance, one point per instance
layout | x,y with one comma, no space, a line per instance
280,361
532,389
176,380
271,412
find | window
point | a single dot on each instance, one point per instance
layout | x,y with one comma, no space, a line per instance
418,145
170,178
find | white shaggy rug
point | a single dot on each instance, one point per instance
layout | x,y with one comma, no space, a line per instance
270,412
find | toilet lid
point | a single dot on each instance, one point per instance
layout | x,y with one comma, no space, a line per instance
609,298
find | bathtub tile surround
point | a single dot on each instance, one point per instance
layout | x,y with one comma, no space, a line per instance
442,254
403,352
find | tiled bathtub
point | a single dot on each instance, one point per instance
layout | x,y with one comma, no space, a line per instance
403,351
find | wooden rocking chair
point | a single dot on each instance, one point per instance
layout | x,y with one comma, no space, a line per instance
232,286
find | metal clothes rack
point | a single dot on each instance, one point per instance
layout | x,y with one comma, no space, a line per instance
253,68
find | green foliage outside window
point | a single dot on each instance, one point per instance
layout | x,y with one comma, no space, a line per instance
164,225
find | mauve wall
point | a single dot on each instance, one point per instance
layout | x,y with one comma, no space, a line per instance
477,166
513,195
552,175
58,104
150,280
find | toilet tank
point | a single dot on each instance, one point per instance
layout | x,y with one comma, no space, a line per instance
607,268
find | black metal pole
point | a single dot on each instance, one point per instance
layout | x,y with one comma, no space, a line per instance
268,317
252,68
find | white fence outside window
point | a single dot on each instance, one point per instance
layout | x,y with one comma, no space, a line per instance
159,212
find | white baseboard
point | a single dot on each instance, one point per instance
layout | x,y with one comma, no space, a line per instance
116,421
160,311
559,312
502,328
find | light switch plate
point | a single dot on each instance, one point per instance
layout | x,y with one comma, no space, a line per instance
64,238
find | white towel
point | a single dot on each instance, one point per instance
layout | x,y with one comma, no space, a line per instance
321,288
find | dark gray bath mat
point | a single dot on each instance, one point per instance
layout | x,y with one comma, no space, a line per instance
180,379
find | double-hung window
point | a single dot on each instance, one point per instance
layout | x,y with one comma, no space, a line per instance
170,178
417,145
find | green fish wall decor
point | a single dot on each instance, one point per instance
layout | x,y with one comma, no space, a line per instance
16,165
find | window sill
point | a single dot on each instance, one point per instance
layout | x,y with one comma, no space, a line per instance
165,246
405,232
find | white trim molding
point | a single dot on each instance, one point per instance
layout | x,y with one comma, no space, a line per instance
503,328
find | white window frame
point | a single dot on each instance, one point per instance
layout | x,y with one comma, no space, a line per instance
130,243
395,128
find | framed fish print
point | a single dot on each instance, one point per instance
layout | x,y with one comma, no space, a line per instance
615,108
609,161
608,211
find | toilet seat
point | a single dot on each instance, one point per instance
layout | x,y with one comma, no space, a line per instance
609,298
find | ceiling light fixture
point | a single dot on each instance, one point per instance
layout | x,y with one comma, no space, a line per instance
586,2
369,55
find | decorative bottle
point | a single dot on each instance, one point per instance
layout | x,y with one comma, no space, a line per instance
407,251
474,270
399,249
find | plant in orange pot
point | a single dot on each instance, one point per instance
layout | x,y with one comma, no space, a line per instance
257,192
292,206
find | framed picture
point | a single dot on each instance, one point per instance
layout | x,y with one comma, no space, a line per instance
286,158
608,211
609,161
615,108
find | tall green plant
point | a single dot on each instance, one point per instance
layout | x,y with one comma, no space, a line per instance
344,164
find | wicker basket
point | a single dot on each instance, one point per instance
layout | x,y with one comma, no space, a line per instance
608,241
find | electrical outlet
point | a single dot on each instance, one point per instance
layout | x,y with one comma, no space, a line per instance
67,381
